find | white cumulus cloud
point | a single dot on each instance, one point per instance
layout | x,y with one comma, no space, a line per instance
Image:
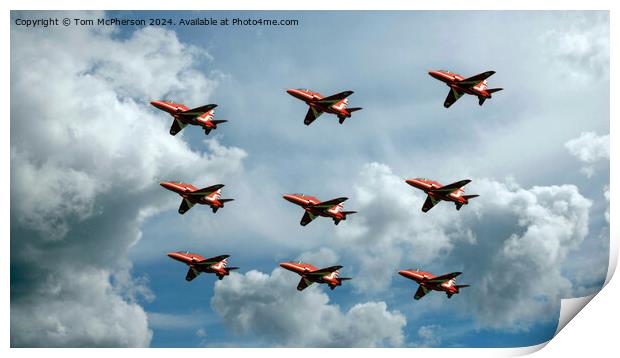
270,307
589,148
511,243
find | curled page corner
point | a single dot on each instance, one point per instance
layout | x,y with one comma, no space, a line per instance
569,307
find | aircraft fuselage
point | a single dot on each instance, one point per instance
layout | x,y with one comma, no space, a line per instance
427,186
306,202
190,260
452,79
303,269
311,99
184,189
421,278
175,109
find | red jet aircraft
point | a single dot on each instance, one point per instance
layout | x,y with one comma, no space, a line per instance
198,264
459,85
335,104
428,282
191,195
314,207
201,116
310,274
436,192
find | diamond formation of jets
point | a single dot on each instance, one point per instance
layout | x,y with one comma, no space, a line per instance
436,192
336,104
201,116
198,264
191,195
310,274
429,282
313,207
459,85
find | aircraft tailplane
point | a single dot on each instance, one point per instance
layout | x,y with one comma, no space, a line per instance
467,197
225,200
351,110
493,90
458,287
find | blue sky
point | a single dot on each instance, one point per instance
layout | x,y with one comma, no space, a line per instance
537,233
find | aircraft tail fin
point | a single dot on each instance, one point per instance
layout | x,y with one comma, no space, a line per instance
481,100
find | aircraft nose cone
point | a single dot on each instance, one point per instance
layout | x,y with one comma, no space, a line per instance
156,104
166,185
290,198
295,93
285,265
435,74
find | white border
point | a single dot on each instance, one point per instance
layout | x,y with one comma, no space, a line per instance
594,330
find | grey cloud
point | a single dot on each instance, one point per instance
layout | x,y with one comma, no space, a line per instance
87,154
582,47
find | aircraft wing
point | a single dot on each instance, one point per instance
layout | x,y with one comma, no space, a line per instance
333,99
185,206
443,278
307,218
324,271
329,203
474,80
303,283
429,203
212,261
312,114
452,187
176,127
191,274
452,97
420,292
206,191
195,112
